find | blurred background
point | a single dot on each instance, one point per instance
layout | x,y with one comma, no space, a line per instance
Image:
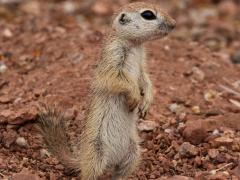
194,17
49,48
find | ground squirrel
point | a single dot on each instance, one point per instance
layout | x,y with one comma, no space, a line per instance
120,93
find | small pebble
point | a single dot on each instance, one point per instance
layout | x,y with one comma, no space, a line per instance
21,141
176,108
216,132
235,58
198,74
196,110
44,153
69,7
3,68
168,131
210,95
181,126
7,33
187,150
147,125
173,107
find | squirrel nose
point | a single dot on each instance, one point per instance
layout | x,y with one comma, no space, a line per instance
171,25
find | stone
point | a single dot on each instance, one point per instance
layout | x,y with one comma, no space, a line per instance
176,108
236,171
69,7
213,153
195,132
3,68
198,74
31,7
147,125
18,116
21,141
9,138
196,110
44,153
235,57
222,141
187,150
230,120
210,95
7,33
25,174
176,178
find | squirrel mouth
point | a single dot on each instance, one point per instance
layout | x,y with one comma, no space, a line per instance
166,28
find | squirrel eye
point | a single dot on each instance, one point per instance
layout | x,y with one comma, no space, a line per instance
148,15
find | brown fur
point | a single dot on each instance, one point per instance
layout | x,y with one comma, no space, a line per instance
121,88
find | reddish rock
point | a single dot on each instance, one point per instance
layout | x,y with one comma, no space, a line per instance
25,175
147,125
2,163
219,176
18,116
213,153
187,150
195,132
176,178
236,171
230,120
4,115
222,141
9,138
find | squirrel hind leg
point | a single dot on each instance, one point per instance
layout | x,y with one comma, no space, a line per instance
128,164
93,165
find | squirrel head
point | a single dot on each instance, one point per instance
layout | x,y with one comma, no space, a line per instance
142,22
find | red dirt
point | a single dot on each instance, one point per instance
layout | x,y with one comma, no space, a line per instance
50,57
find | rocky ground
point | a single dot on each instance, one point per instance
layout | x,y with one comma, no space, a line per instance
48,50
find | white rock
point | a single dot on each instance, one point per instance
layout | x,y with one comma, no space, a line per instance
216,132
198,74
210,95
181,126
21,141
3,68
168,131
147,125
44,153
176,108
7,33
69,7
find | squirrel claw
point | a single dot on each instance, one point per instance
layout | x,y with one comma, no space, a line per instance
133,106
142,113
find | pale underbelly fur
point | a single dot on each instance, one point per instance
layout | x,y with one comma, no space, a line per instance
118,129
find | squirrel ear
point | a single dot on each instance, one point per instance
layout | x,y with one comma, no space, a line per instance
124,19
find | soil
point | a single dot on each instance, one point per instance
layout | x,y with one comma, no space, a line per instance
48,53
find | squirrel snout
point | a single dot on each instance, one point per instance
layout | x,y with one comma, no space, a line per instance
172,25
168,25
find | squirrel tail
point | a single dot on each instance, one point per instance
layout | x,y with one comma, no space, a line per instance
51,124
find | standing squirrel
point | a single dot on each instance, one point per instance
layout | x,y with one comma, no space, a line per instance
120,93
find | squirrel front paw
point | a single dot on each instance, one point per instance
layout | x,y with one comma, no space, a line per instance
133,100
143,109
144,106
